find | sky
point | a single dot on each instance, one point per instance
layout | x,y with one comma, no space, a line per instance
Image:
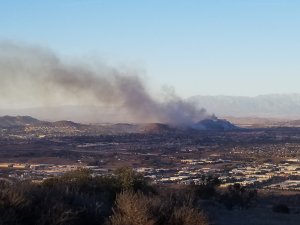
212,47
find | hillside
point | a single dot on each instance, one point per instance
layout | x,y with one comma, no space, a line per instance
15,121
156,128
65,123
214,125
21,121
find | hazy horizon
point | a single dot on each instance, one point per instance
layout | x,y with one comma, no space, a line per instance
149,58
274,106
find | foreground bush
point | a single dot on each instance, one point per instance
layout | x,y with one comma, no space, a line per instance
63,203
138,209
281,208
132,209
206,188
79,198
128,179
74,198
238,196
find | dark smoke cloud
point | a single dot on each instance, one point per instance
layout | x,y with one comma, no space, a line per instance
36,76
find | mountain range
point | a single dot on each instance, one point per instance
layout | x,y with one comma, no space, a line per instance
273,105
22,121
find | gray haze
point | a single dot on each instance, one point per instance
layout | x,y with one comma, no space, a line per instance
272,105
37,77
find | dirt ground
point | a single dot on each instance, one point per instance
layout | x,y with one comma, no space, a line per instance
256,216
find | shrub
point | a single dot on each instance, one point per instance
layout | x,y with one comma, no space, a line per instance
131,209
14,206
74,198
207,187
238,196
281,208
138,209
130,180
187,215
79,198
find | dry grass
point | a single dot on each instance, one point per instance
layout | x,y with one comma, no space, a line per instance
132,209
138,209
187,215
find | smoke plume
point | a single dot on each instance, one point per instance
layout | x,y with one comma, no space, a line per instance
32,76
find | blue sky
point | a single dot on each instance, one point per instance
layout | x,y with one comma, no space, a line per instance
242,47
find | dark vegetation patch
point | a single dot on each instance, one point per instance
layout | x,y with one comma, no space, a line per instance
80,198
